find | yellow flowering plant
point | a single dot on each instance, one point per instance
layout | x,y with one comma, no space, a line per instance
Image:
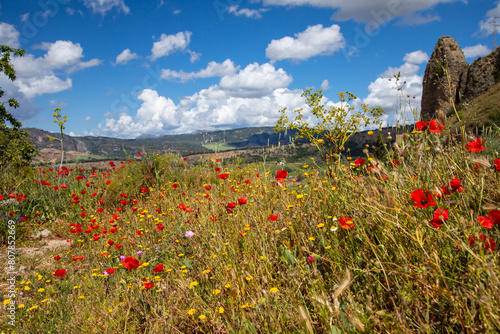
60,120
335,124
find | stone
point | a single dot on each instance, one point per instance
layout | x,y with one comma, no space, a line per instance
482,75
42,234
435,88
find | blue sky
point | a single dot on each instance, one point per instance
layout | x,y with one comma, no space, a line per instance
123,68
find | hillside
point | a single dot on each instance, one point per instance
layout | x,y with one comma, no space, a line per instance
482,111
185,144
198,142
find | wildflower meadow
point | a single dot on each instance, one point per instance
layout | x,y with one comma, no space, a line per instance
157,244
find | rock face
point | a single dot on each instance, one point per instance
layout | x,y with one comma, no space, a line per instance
482,75
468,81
435,90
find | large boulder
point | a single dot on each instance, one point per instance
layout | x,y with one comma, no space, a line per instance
436,90
483,74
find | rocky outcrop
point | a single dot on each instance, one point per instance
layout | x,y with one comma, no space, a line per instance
483,74
436,90
468,81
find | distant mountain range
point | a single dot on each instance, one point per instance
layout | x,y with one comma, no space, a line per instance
187,144
184,144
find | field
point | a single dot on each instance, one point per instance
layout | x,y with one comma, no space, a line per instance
163,244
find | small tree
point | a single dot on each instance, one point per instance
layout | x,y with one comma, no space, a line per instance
16,149
335,124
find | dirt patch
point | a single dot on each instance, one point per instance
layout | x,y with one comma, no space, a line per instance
49,245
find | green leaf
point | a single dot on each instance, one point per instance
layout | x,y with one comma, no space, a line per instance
290,257
188,264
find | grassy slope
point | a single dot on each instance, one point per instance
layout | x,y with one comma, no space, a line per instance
482,111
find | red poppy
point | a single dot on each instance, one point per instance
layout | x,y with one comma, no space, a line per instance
139,153
281,174
435,126
175,185
455,185
422,198
485,222
57,258
217,169
497,164
494,216
96,237
149,285
475,145
223,176
158,268
346,223
444,191
159,227
231,205
118,246
208,188
273,217
60,272
130,263
421,126
440,216
490,245
110,271
359,162
472,240
242,200
110,242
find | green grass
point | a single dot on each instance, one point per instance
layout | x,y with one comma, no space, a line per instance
219,147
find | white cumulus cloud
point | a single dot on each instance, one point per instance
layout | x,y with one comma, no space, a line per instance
255,80
384,93
9,35
249,97
315,40
478,50
40,85
416,57
125,56
485,26
213,69
170,43
47,74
